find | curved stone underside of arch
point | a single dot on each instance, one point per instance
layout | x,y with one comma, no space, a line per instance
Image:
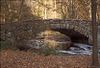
75,36
80,26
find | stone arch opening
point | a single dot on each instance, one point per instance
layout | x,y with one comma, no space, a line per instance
75,36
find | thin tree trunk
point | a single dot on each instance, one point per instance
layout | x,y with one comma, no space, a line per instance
20,10
95,61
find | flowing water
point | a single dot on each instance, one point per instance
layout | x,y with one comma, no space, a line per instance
77,49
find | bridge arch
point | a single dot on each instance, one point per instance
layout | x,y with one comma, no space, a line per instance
75,36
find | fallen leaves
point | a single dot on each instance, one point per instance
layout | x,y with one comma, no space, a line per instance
21,59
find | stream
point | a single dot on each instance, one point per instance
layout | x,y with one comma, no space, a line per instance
78,49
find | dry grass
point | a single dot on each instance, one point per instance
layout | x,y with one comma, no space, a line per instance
20,59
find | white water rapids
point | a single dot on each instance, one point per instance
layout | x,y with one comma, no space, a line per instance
78,49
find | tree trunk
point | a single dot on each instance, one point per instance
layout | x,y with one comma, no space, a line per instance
95,62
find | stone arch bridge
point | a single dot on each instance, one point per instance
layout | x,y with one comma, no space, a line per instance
33,27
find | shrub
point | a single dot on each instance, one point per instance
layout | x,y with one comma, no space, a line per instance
6,45
49,51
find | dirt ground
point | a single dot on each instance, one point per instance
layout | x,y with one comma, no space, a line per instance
20,59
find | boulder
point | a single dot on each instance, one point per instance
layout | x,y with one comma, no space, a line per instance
54,39
48,38
30,44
